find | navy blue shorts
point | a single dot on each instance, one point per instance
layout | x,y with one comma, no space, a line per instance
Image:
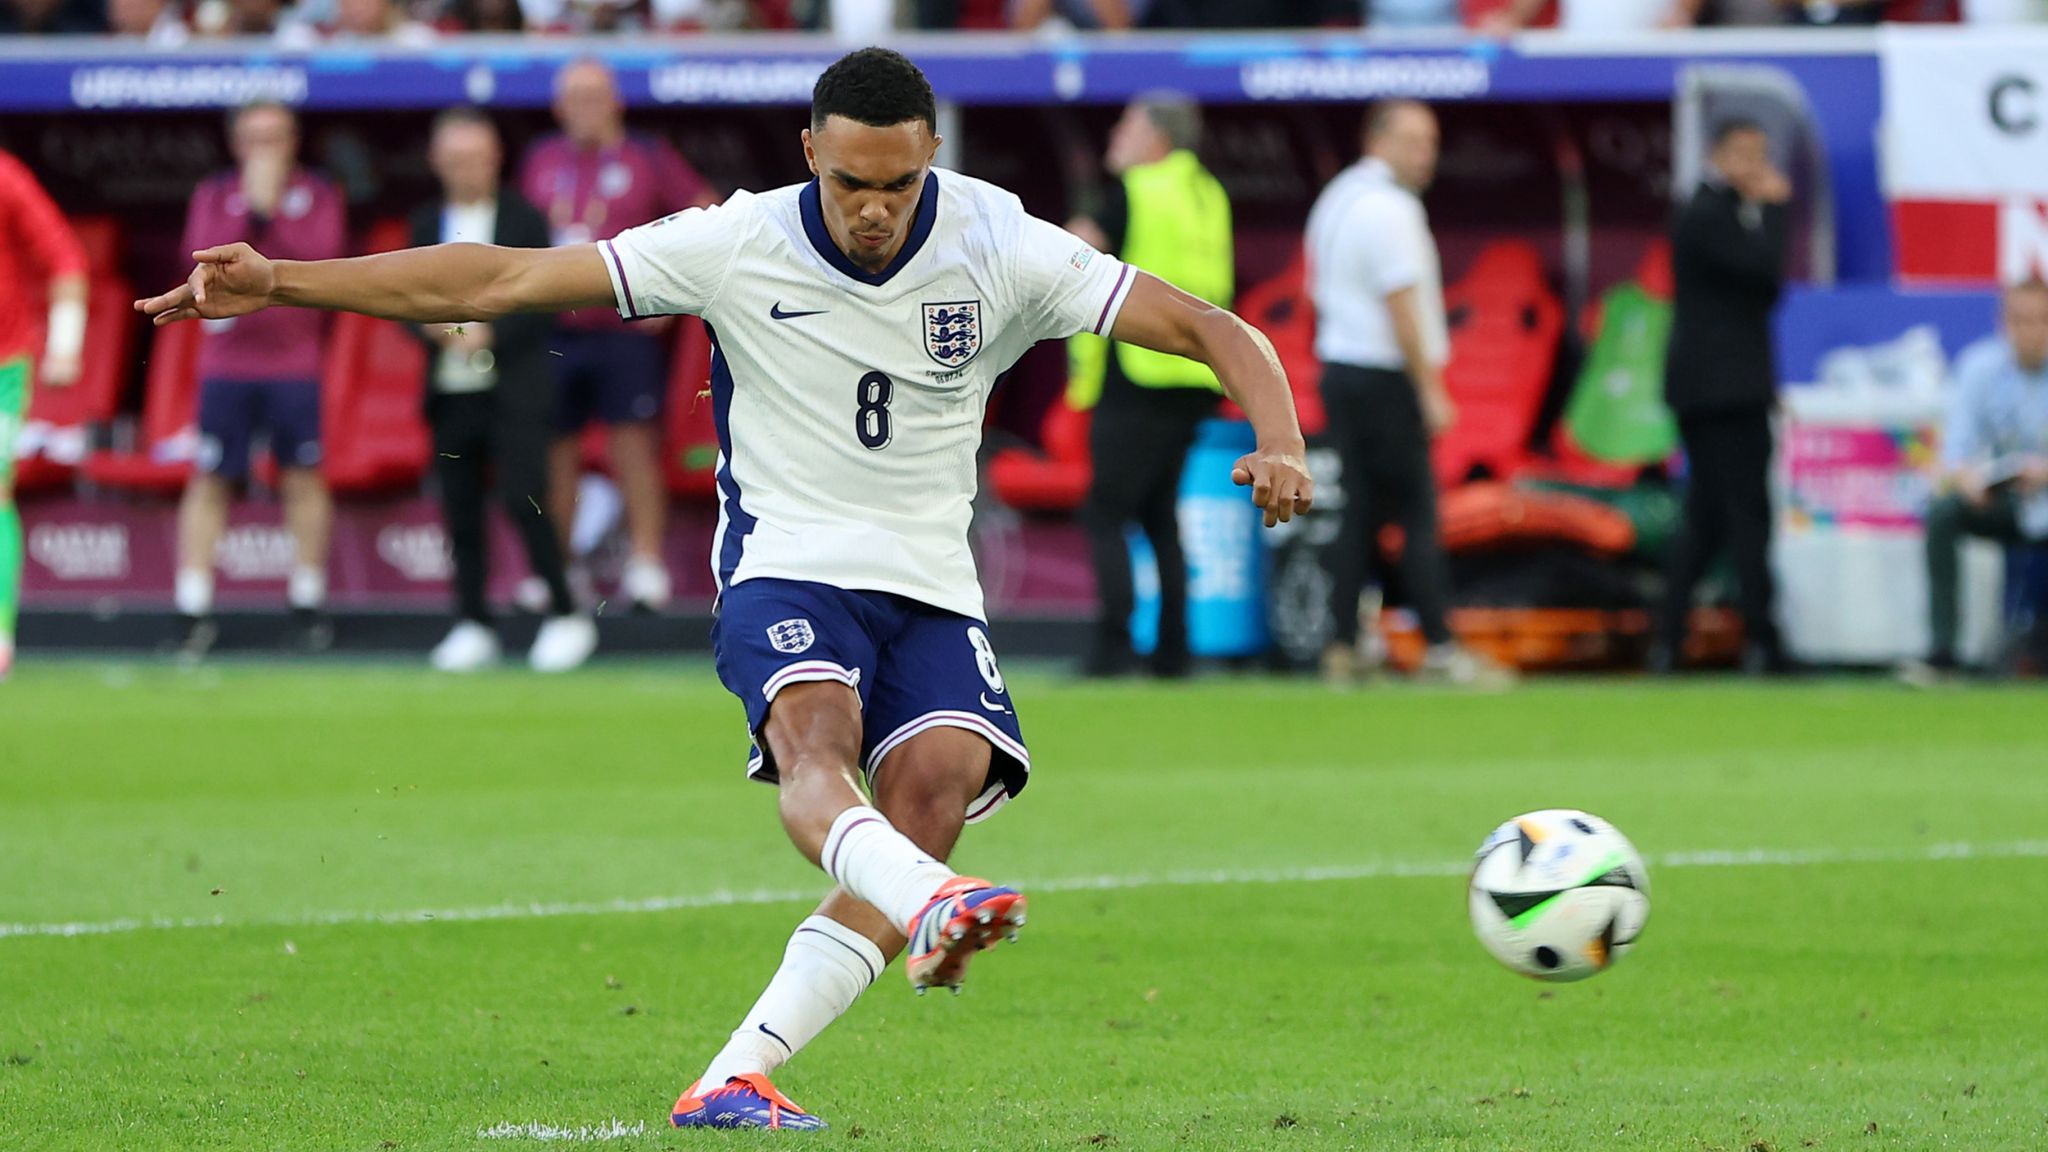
609,377
232,412
916,668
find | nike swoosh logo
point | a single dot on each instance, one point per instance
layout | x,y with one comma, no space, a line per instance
775,312
991,705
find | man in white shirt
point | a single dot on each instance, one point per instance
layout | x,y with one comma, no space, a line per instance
861,321
1383,342
489,398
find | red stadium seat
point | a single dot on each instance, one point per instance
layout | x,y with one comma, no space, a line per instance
1505,323
373,429
1280,307
690,448
1055,480
170,413
60,420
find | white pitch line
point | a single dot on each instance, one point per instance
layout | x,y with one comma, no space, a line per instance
1108,882
613,1129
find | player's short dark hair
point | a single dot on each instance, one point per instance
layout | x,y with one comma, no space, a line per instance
236,113
877,87
1733,125
1175,115
461,114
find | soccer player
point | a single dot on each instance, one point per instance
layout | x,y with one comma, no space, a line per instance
861,320
30,228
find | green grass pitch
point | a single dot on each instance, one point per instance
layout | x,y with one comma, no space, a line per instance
385,910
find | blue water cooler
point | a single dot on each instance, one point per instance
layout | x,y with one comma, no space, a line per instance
1222,535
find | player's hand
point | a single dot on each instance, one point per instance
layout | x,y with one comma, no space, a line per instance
263,179
1280,483
59,371
1439,414
2034,475
1970,486
1770,187
232,280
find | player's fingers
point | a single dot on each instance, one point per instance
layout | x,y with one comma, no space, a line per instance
1262,490
221,255
157,305
1240,475
202,276
173,316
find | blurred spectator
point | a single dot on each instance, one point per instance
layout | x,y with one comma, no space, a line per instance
1597,16
1103,15
158,23
1993,481
595,180
1164,214
483,16
253,18
490,396
1728,260
48,18
585,16
1382,338
2005,11
37,249
703,15
1241,13
260,374
378,20
1385,14
1837,13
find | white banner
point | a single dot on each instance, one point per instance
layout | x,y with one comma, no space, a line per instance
1965,148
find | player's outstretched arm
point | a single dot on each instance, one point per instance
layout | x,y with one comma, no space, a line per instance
443,283
1158,316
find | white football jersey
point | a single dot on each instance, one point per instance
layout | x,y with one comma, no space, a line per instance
849,404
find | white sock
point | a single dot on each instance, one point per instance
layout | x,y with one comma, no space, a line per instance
194,591
875,862
824,970
307,588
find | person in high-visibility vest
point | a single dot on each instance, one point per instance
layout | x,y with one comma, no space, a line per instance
1167,215
40,249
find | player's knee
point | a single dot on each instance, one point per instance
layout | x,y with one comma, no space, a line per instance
813,731
925,786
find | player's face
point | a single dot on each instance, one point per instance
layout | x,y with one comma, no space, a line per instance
465,157
1409,144
1742,156
1135,140
587,104
262,130
869,180
2026,325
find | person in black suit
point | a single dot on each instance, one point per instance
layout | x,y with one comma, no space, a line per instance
1728,254
489,395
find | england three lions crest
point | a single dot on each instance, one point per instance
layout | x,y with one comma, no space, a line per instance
952,331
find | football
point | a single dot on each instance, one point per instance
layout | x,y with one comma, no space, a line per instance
1558,894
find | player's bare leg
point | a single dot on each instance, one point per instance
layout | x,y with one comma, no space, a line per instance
924,787
636,462
202,519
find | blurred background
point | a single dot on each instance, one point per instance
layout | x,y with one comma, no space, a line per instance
1903,190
